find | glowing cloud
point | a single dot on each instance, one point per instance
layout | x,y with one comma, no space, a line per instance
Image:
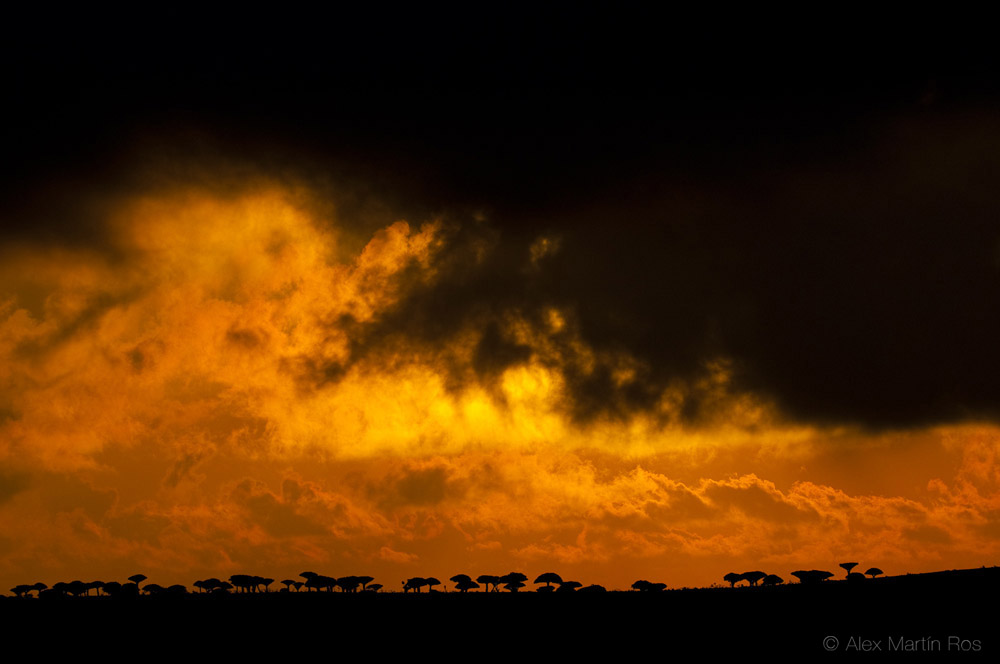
231,387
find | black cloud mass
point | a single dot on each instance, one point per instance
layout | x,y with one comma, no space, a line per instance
826,222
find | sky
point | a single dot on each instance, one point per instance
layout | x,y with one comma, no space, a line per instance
436,294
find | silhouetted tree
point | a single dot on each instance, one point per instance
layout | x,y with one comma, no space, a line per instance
873,572
733,578
22,589
414,584
753,577
848,567
327,583
309,576
364,581
288,583
513,581
458,578
213,584
430,582
77,588
320,582
242,582
374,588
487,580
137,579
812,575
466,585
548,578
772,580
647,587
593,588
568,586
349,584
463,582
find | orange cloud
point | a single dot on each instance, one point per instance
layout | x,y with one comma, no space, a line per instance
224,391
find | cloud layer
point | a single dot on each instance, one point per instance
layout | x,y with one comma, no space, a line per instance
232,381
419,301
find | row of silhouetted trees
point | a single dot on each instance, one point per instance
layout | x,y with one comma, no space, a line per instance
511,582
311,581
314,582
804,576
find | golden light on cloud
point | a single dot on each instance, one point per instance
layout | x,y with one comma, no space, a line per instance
220,389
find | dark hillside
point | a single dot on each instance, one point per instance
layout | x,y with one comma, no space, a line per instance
937,612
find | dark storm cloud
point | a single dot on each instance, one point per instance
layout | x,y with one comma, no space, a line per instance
858,285
12,483
825,223
475,280
870,281
850,284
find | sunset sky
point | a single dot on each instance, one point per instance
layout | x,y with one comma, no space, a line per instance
601,297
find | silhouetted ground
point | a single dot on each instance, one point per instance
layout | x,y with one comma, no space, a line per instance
929,614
